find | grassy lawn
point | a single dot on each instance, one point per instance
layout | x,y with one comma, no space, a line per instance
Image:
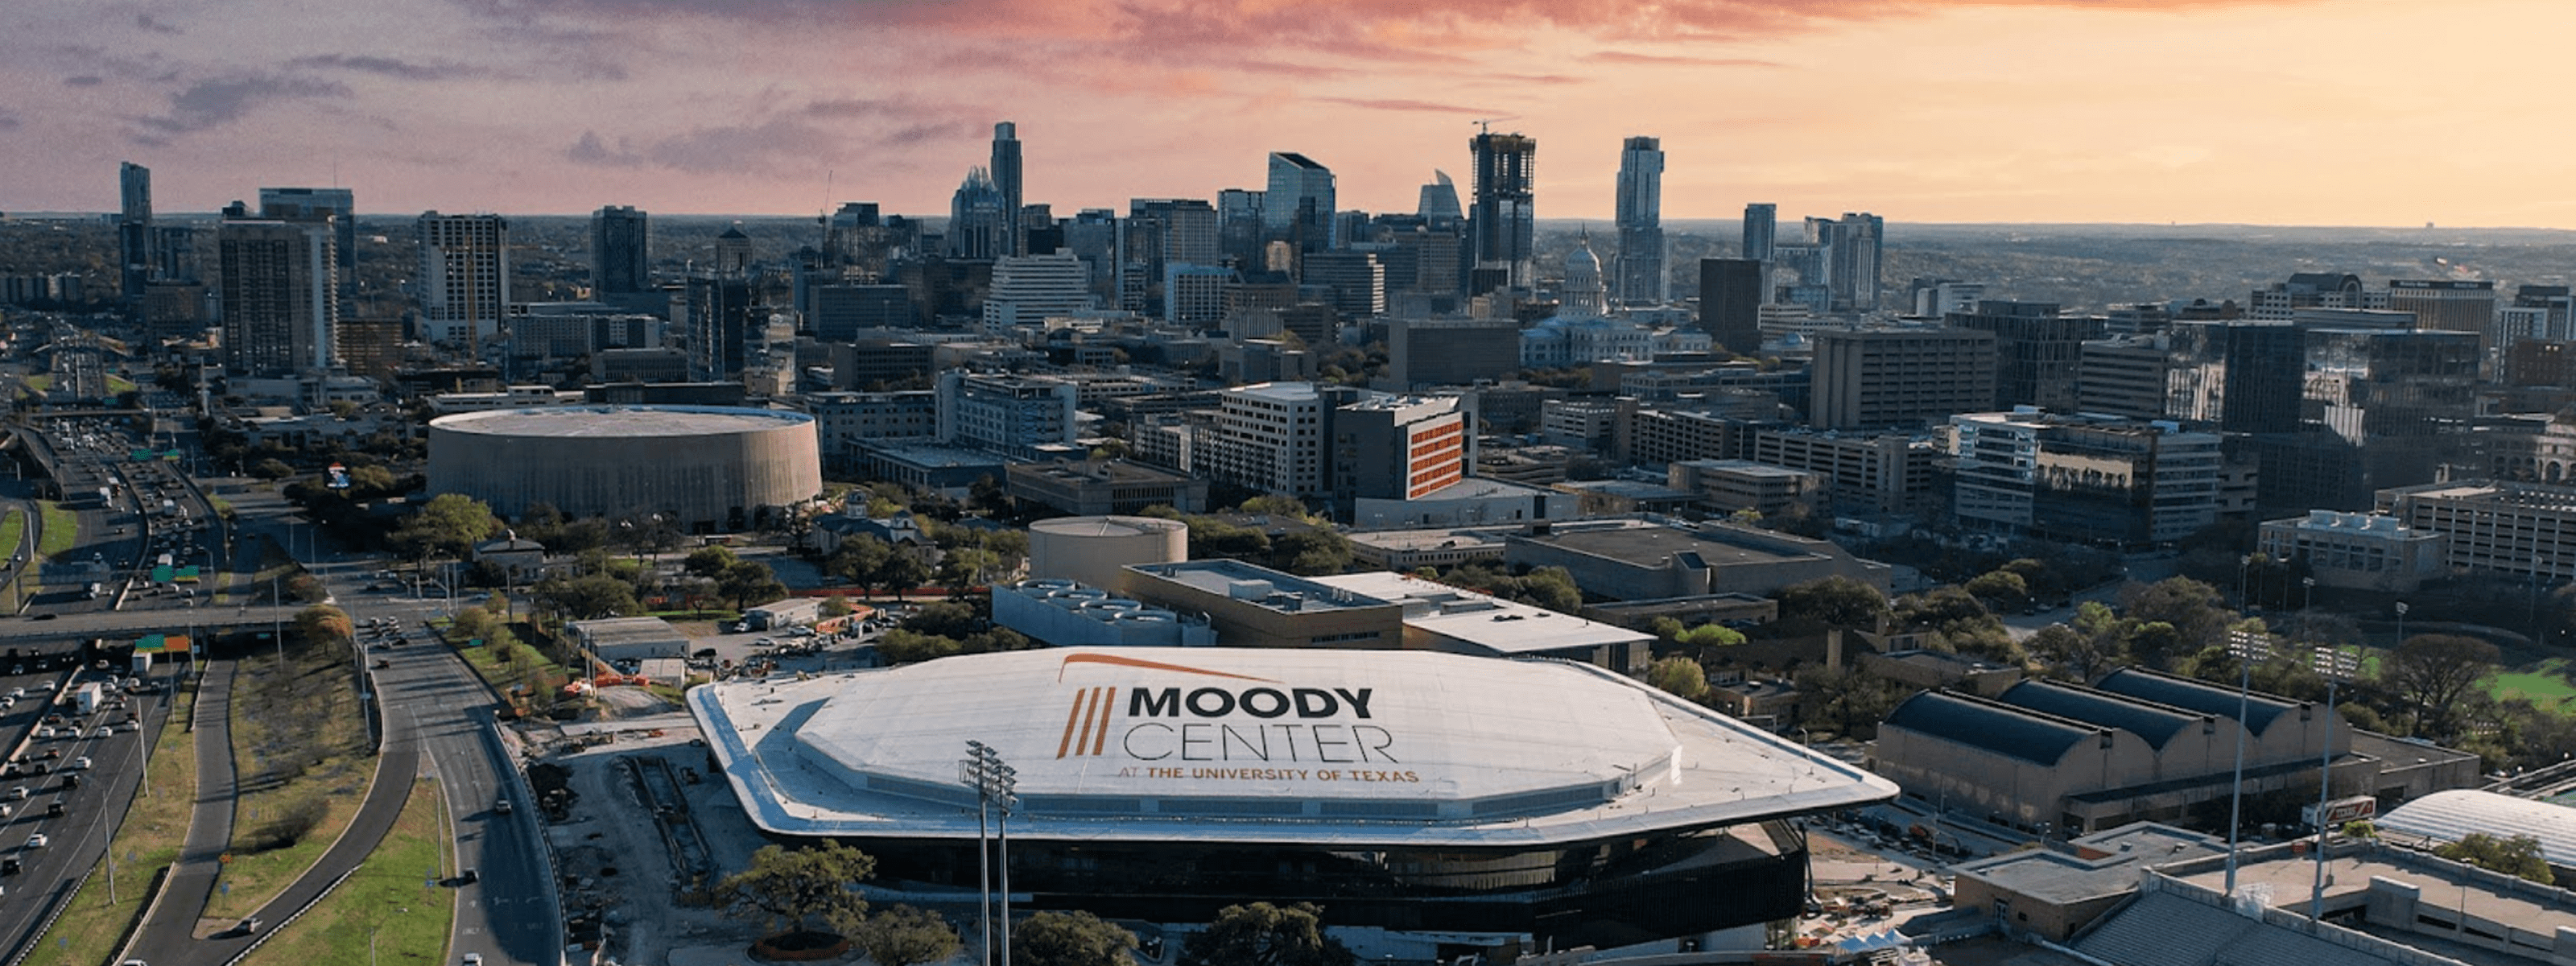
13,529
2545,684
147,841
532,668
119,384
299,747
386,901
62,529
35,385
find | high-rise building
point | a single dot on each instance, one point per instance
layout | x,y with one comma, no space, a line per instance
1761,229
1355,281
2240,377
2037,350
1730,303
335,207
1008,414
134,227
1853,245
2538,312
979,218
621,253
464,283
1298,208
2086,477
281,309
1238,226
1641,276
1872,378
2125,376
2451,305
1006,180
1439,204
1027,289
1503,225
720,325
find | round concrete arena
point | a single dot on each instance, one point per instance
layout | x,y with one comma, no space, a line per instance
702,468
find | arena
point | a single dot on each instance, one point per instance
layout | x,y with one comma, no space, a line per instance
1485,802
703,469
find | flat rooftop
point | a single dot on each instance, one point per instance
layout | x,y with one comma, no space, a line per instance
628,630
1650,544
1257,585
1503,626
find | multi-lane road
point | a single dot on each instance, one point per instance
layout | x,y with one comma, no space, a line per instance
49,873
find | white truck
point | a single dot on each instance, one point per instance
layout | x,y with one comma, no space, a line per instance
85,700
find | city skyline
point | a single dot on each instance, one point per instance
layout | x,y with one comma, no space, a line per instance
2144,111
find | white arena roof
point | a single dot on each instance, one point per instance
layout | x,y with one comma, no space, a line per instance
621,421
2450,816
1394,748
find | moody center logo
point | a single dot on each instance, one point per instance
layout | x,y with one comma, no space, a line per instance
1233,717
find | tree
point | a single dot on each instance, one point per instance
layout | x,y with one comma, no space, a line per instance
1070,939
859,560
901,646
587,598
1312,553
709,562
321,624
1836,601
785,890
749,582
1552,588
905,936
1679,676
901,572
2196,611
1261,934
1845,699
2000,588
449,525
836,607
2515,856
1710,635
2431,672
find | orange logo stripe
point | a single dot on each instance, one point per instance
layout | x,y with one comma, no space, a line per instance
1118,661
1071,714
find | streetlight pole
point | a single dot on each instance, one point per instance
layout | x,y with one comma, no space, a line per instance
2248,647
2336,665
2244,594
995,784
2401,623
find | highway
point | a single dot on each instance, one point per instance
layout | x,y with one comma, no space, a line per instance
80,836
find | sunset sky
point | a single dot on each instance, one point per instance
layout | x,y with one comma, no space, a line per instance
2326,112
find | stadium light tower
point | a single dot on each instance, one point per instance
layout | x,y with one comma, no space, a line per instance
996,786
2249,647
2336,665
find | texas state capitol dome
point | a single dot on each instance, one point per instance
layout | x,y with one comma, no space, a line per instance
1408,790
700,467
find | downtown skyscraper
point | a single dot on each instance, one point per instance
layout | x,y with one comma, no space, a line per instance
1298,207
464,279
134,228
334,207
1006,179
621,253
1639,275
281,308
1502,227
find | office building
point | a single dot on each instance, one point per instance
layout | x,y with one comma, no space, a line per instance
723,317
1852,244
1450,352
1730,303
464,282
2084,478
1194,295
1503,225
1761,230
1015,416
1637,560
844,421
1641,277
2357,551
1299,206
1240,235
334,207
2370,386
2493,527
1884,473
1354,283
621,252
1270,437
2124,377
2281,301
1933,298
1398,447
1878,378
2445,305
1006,183
1029,289
2036,350
1438,206
2236,376
1098,487
838,313
134,228
280,306
980,219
